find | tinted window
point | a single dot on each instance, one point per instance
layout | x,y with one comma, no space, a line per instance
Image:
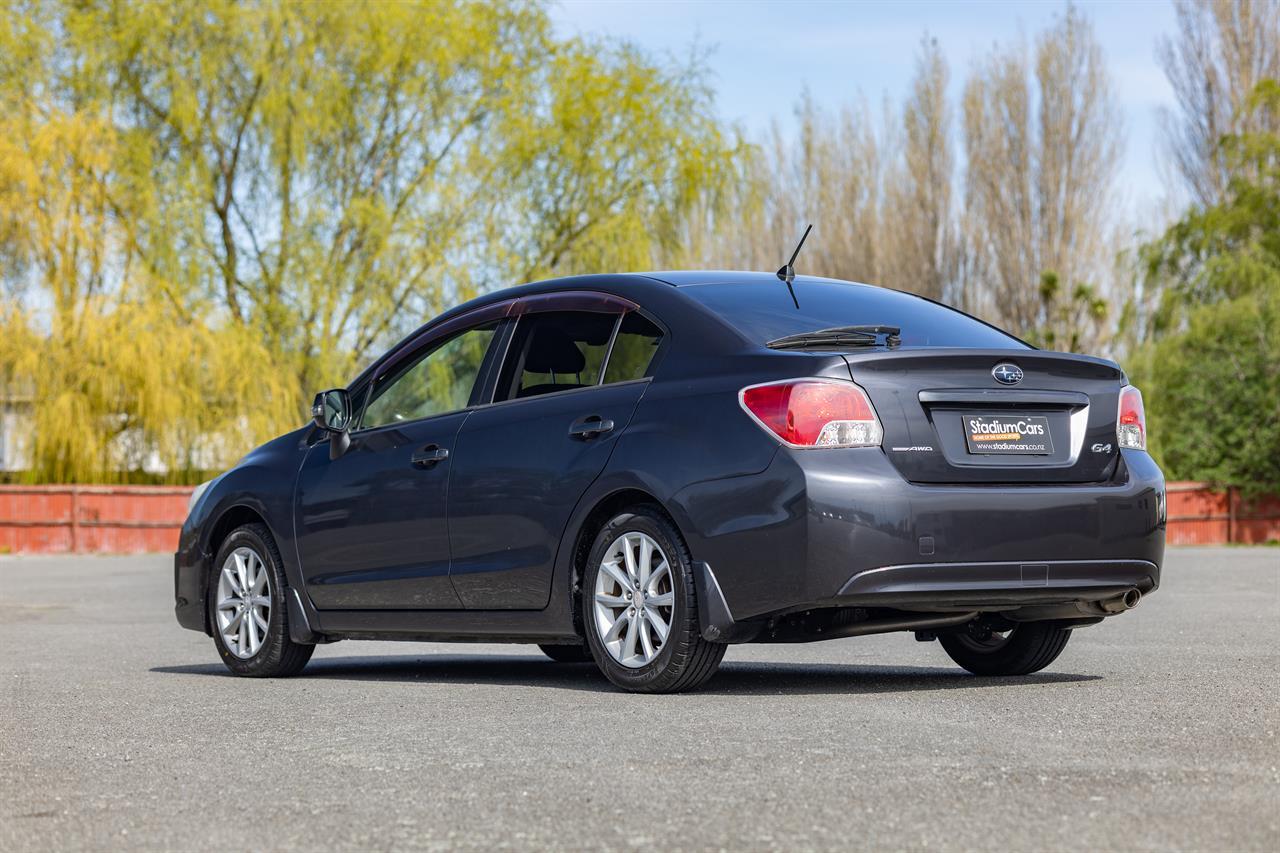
555,351
633,349
763,311
438,381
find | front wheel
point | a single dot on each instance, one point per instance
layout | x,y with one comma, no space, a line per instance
1028,647
247,607
640,607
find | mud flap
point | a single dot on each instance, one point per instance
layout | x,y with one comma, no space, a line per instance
714,618
300,630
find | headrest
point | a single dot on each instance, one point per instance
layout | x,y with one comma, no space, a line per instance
553,351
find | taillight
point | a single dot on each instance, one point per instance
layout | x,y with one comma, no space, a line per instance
1131,425
815,413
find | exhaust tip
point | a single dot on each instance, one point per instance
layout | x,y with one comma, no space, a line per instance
1127,600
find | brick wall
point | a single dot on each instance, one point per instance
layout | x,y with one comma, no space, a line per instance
91,519
1202,515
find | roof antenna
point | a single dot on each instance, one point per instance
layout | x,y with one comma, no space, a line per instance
788,273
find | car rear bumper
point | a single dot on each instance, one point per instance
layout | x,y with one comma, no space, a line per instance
938,586
843,529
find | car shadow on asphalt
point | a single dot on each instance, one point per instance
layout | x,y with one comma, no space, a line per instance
743,678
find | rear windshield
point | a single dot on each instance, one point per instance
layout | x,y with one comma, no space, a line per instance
763,311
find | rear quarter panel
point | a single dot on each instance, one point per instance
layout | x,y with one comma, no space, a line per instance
712,466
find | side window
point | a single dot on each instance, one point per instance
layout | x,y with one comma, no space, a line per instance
633,349
438,381
555,351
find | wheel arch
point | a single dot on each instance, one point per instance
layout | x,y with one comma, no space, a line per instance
236,515
603,508
228,519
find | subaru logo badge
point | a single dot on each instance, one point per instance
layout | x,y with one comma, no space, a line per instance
1007,374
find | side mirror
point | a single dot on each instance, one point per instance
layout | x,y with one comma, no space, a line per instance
331,412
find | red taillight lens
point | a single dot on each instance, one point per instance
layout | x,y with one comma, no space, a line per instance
815,413
1131,425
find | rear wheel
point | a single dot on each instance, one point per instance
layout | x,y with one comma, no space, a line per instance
567,654
1026,648
247,609
640,607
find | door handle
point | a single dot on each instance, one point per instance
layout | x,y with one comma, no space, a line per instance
590,427
428,456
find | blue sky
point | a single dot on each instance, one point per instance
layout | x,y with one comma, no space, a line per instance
764,53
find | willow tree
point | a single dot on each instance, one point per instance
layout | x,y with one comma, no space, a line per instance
308,181
117,380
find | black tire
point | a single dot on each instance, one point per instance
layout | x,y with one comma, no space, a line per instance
686,660
567,654
278,655
1028,648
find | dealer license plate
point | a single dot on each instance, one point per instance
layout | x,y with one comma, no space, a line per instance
1007,434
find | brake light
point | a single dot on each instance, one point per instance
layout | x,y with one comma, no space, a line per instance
1131,425
815,413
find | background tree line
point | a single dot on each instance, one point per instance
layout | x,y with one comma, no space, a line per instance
208,211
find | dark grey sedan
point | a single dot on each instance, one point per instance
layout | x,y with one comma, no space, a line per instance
638,470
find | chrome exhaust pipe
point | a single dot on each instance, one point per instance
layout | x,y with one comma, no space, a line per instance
1125,601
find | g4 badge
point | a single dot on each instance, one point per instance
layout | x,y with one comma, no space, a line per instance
1101,448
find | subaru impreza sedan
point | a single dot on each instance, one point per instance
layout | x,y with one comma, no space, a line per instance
640,470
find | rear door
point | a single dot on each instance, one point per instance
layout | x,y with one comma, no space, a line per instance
574,371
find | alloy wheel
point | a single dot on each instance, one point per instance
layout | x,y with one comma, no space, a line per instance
634,601
244,602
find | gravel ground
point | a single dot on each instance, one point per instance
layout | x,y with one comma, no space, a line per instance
1156,730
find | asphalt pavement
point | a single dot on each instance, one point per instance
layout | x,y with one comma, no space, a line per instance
119,730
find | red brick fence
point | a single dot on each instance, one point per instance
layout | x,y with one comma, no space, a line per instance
139,519
1201,515
91,519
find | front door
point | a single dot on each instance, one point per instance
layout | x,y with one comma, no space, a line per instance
372,530
522,463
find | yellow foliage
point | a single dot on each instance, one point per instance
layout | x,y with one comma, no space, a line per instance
208,211
132,387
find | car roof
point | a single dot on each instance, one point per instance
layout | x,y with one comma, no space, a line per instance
686,278
631,283
611,281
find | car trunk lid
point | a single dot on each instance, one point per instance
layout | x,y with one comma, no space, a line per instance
948,419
